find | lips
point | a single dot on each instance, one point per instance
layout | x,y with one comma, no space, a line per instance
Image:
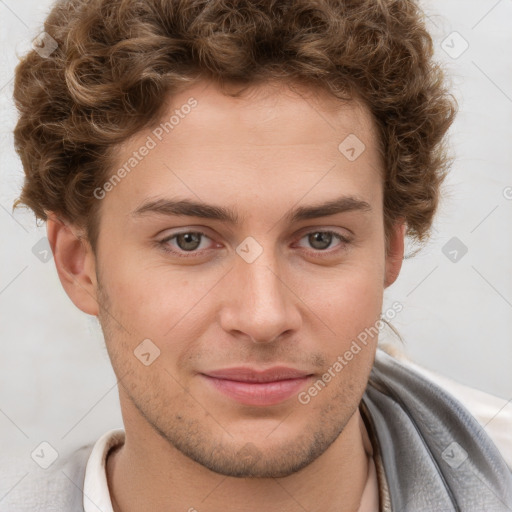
258,387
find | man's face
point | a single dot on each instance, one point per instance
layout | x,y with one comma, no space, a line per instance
263,292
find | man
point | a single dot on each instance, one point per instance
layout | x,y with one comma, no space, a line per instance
228,188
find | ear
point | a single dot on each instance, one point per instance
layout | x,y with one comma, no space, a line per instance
395,253
75,263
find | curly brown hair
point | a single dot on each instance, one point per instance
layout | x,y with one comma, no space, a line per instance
117,59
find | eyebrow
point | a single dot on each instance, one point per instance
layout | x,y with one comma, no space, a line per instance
189,208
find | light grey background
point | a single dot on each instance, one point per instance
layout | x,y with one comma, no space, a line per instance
56,383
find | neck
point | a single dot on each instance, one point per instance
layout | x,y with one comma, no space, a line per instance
147,473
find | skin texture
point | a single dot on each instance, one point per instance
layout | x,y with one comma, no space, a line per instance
297,305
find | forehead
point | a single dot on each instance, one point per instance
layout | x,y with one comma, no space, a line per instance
271,139
302,114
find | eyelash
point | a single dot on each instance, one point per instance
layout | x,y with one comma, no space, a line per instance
315,252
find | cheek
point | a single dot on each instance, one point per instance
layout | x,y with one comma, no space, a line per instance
158,302
347,299
346,309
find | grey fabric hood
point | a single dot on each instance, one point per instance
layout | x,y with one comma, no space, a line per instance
435,454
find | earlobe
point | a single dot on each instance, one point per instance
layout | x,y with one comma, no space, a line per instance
395,253
75,263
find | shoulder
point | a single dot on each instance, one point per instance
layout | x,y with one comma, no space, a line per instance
436,455
494,414
25,486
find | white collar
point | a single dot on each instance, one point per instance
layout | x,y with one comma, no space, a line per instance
96,493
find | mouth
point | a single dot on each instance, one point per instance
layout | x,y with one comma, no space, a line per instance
256,387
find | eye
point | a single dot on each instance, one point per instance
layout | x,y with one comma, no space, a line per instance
184,242
322,240
192,243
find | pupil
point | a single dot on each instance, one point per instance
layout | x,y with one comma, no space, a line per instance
317,237
191,241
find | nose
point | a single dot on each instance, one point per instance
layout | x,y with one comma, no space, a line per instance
260,304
